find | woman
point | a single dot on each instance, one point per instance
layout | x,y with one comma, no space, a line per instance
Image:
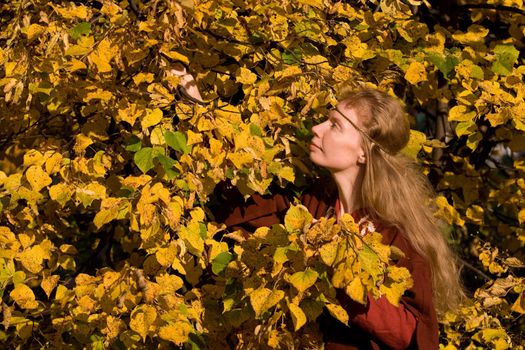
360,145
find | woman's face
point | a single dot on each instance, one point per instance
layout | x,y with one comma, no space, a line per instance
336,144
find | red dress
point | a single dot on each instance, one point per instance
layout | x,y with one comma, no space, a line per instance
379,324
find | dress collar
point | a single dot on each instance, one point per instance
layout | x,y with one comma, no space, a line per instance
356,214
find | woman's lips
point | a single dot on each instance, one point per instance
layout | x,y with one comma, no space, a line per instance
313,146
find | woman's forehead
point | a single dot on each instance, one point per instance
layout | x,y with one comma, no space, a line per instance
342,113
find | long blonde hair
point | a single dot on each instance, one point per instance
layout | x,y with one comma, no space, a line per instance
396,191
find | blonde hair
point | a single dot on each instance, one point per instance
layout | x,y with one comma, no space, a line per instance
397,193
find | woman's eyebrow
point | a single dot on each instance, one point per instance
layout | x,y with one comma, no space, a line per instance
335,118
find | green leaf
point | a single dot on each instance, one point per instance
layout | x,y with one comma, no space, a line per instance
445,63
203,230
255,130
82,28
370,262
144,159
177,141
133,144
220,262
167,164
292,57
304,279
506,56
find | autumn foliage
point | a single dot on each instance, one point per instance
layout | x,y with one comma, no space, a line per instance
108,168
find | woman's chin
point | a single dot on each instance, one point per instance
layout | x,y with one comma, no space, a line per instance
314,159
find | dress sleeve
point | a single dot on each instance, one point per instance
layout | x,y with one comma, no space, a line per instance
265,210
247,215
387,324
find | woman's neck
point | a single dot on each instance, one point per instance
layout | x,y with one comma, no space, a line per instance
349,187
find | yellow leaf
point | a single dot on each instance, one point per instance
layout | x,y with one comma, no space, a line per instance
263,298
72,11
303,280
521,216
169,283
274,339
74,65
7,236
130,113
397,281
297,218
416,73
24,296
519,304
417,138
61,193
49,283
176,56
110,278
153,117
314,3
374,241
467,69
298,316
357,49
166,256
475,33
356,291
34,31
98,94
86,304
33,157
412,30
173,214
348,223
177,332
239,159
447,212
37,178
81,143
87,194
26,240
338,312
83,47
245,76
476,214
191,236
53,163
109,211
102,56
114,326
32,259
143,77
460,114
287,173
194,138
197,214
328,252
142,319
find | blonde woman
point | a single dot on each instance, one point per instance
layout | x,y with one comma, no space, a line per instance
360,144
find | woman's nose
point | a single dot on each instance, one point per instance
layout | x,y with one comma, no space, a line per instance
316,129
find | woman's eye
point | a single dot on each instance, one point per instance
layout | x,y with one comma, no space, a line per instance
333,125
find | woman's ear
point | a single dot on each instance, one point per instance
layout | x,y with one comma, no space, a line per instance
361,159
